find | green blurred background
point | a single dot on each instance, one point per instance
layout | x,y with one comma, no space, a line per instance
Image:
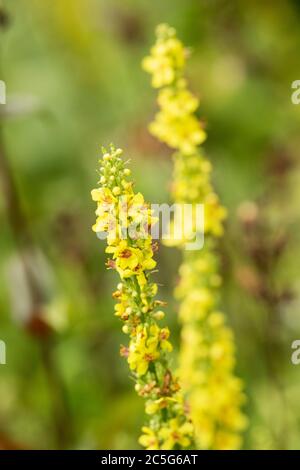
74,82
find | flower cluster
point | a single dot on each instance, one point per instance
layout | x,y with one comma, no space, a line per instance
167,57
207,357
126,218
176,124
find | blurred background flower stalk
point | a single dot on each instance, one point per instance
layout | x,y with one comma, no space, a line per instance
207,354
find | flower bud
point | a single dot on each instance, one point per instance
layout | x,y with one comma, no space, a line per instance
116,191
159,315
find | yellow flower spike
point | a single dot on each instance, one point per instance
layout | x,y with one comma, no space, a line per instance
119,211
207,356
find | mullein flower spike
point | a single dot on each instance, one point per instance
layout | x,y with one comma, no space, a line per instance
127,220
207,356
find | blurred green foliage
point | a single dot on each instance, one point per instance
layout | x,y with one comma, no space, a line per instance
74,82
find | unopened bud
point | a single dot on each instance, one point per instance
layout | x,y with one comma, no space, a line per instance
116,191
159,315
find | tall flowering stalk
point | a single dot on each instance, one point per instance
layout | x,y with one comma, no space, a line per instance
207,356
127,220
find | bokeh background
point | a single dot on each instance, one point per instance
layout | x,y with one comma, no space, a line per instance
74,82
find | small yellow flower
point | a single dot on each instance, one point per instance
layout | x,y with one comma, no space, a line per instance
153,405
143,350
127,258
164,334
149,439
176,434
